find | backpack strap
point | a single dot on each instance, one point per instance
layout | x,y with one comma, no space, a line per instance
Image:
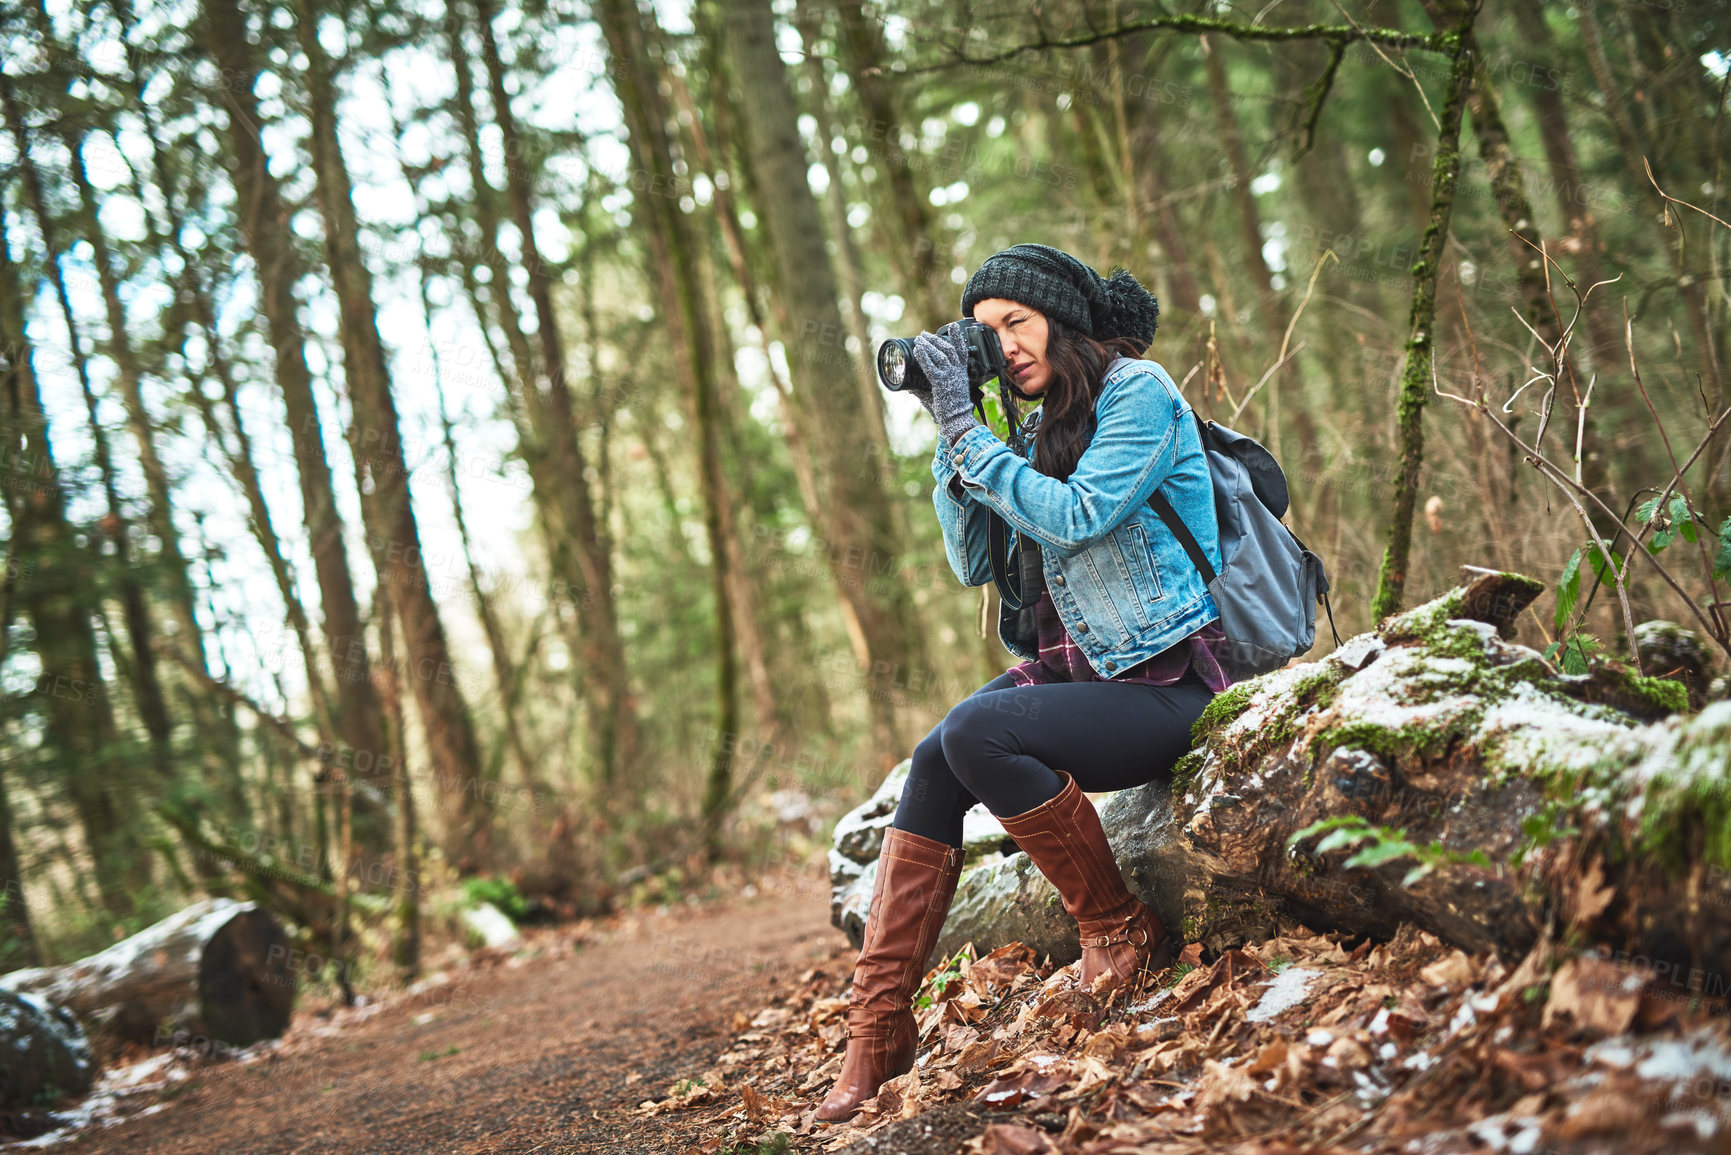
1163,507
1182,532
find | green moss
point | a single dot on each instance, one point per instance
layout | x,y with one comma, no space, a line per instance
1223,709
1311,686
1662,694
1686,812
1385,741
1185,770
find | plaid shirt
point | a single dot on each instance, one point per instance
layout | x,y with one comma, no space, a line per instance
1061,661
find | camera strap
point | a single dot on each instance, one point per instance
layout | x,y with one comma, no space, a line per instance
998,550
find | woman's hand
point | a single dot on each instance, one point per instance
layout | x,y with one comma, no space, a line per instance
922,394
945,363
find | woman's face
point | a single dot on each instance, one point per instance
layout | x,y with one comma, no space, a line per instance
1022,331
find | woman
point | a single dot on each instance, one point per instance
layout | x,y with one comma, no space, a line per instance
1123,653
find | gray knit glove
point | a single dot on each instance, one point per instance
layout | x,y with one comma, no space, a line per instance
945,363
922,394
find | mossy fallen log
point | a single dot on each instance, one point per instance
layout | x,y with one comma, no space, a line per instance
1437,773
1434,772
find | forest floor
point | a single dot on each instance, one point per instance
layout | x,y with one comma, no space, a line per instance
553,1049
715,1029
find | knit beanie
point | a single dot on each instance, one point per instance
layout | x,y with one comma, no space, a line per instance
1061,286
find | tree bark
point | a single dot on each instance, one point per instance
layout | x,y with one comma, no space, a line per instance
1508,189
1416,377
376,443
1238,166
858,522
913,241
406,899
80,729
672,254
159,507
770,708
1445,758
1577,216
564,472
43,1052
847,252
264,225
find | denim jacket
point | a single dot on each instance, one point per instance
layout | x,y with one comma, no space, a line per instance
1123,586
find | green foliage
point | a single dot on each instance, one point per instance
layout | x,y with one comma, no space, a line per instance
1545,827
500,892
1677,521
1574,654
1176,975
1380,845
949,971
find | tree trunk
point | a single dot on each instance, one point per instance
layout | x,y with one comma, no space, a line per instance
406,897
219,969
80,729
497,644
564,473
18,944
913,242
150,702
770,708
1485,859
220,747
1238,165
1508,189
1578,219
383,476
859,523
1416,377
672,255
847,253
264,225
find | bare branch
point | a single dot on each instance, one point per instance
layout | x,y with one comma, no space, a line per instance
1337,34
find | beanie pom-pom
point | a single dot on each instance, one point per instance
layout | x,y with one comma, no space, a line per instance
1129,309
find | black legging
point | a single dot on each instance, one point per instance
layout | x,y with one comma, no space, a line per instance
1002,744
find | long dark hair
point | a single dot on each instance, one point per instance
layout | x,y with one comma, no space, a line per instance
1078,363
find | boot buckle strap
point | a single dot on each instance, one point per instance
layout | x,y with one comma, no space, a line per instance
1127,935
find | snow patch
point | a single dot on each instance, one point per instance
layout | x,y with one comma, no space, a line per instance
1284,992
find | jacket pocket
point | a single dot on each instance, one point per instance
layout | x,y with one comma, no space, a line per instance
1097,598
1142,589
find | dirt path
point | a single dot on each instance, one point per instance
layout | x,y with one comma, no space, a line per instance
544,1054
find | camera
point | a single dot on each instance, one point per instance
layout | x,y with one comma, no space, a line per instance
898,370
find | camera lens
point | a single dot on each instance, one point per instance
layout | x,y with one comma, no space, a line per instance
893,356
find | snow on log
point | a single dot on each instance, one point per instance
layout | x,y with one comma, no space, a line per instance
1436,773
218,969
1432,772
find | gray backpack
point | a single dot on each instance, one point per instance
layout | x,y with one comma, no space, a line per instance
1268,592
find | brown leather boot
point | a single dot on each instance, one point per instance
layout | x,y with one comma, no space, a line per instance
1120,935
915,882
